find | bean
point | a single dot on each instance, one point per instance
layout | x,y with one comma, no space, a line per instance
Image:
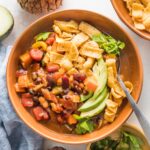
80,77
65,82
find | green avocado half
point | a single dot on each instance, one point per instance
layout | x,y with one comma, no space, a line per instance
6,22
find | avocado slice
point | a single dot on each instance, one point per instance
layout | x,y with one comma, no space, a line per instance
6,22
96,110
93,103
85,97
100,71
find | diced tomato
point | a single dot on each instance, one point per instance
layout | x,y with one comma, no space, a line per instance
57,75
40,113
53,35
50,40
36,54
26,95
21,72
27,102
90,84
52,67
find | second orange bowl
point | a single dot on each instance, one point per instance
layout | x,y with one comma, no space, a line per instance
123,13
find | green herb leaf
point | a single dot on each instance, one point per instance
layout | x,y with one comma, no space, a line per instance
105,144
126,141
42,36
134,142
108,43
84,126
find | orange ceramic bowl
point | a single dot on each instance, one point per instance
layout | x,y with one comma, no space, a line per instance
123,13
131,68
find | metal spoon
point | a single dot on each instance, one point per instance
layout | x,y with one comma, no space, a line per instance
145,124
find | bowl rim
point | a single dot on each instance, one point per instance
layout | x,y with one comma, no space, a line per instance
124,20
35,128
126,125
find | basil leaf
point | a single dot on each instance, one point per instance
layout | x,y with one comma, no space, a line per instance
42,36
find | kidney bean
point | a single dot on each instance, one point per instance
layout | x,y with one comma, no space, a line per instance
77,89
51,81
80,77
65,82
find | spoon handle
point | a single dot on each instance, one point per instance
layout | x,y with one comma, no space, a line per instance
145,124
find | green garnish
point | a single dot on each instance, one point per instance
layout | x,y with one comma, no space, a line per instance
126,141
133,141
77,117
42,36
84,126
108,43
104,144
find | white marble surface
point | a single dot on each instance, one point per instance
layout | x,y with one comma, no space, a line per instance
22,19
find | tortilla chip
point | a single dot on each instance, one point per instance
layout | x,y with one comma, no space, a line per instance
90,49
88,29
61,45
137,10
67,26
129,85
73,52
130,2
56,57
145,2
57,30
67,36
79,39
139,25
111,106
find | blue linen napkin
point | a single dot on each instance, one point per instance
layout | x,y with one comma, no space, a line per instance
14,134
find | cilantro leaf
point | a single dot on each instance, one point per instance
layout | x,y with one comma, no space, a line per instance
84,126
108,43
134,142
103,144
42,36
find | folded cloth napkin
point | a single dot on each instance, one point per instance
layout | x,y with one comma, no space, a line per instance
14,134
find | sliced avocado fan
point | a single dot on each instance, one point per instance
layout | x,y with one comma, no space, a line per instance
95,111
100,71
